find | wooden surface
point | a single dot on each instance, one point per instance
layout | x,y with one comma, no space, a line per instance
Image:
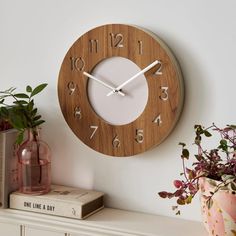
142,48
108,222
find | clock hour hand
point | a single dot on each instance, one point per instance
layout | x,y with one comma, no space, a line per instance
133,77
103,83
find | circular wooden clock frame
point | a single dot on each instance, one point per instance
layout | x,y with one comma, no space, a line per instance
165,90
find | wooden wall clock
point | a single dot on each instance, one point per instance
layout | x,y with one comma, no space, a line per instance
120,89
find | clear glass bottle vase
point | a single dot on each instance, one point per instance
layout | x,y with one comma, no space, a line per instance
34,158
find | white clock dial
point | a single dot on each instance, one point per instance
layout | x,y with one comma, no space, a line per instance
127,105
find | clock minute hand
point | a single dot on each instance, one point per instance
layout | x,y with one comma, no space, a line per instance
134,77
103,83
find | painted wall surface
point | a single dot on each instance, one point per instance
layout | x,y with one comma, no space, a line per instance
34,37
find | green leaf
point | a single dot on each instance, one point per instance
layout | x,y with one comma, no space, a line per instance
31,105
197,126
223,145
21,95
37,117
207,134
232,126
16,121
34,112
38,89
223,142
20,102
20,137
4,112
37,123
2,101
198,139
198,129
182,144
189,199
28,89
185,153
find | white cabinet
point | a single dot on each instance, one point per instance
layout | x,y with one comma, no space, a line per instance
7,229
107,222
42,232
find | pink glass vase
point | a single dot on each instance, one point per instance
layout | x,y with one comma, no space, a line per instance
34,159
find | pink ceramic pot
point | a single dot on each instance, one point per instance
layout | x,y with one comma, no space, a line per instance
220,219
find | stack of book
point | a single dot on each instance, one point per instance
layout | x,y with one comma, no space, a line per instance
60,201
8,165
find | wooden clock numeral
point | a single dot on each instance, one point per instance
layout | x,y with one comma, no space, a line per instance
93,45
140,47
139,136
158,120
158,70
71,87
77,63
116,142
77,113
94,127
164,93
117,40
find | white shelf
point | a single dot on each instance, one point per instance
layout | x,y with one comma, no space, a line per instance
107,222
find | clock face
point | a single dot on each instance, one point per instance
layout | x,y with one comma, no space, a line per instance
116,70
120,90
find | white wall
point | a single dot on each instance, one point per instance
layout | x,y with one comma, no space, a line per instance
34,37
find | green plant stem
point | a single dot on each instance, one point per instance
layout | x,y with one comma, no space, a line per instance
184,169
38,153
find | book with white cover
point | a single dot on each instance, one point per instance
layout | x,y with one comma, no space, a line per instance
60,201
8,166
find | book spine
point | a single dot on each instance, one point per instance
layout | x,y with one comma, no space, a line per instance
8,166
46,206
2,167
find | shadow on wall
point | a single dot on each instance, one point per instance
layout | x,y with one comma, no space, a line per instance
196,91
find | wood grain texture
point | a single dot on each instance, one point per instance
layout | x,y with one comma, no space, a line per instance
85,54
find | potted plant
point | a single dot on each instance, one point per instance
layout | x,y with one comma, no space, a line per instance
33,154
213,174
